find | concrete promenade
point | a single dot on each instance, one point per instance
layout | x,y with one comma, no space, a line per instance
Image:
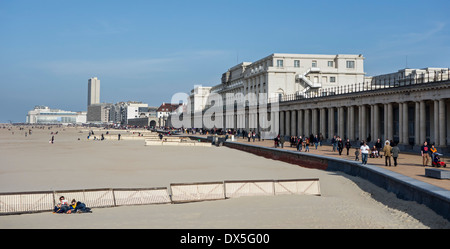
408,164
407,180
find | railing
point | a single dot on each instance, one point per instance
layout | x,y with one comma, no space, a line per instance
375,84
45,201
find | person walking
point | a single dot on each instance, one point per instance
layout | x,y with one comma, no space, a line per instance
424,150
316,141
357,154
348,145
364,152
340,145
282,141
299,144
387,154
395,152
378,146
306,144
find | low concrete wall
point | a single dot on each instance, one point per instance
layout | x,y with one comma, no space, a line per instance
404,187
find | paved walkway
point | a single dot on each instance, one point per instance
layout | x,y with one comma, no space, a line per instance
408,164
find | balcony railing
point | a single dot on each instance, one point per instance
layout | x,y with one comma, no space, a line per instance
375,84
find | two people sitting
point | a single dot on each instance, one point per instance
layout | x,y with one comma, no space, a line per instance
74,207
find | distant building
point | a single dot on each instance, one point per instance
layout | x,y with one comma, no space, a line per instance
99,113
122,112
164,112
93,91
410,76
45,115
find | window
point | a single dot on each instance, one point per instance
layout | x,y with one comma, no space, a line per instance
332,79
330,63
296,63
350,64
279,63
314,63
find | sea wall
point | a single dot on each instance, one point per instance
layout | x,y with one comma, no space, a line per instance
404,187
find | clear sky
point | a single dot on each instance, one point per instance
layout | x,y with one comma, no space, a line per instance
149,50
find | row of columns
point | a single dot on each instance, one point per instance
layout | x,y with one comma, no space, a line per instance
358,122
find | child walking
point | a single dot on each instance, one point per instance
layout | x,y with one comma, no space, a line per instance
357,154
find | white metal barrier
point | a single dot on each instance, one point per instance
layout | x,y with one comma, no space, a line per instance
302,186
184,192
248,188
141,196
26,202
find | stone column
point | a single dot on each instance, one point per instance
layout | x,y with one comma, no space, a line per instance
417,124
341,122
306,123
372,128
300,123
376,122
331,131
436,123
400,123
360,123
275,123
293,122
322,122
405,129
390,122
351,122
386,119
363,124
314,121
422,124
282,131
287,123
442,131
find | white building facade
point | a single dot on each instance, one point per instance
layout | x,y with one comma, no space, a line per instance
277,76
45,115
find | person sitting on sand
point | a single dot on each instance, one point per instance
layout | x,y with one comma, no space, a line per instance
62,206
78,207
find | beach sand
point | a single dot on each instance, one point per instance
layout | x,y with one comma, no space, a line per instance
31,163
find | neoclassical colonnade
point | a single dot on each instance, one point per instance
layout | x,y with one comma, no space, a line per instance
408,115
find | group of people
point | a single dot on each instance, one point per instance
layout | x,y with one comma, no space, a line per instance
390,149
338,144
426,151
301,143
63,207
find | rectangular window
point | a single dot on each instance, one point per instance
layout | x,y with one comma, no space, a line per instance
314,63
350,64
330,64
279,63
332,79
296,63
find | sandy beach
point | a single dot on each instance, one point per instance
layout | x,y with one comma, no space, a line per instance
31,163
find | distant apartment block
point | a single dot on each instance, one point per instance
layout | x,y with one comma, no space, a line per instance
93,91
98,113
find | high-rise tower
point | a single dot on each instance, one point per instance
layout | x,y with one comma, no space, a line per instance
93,91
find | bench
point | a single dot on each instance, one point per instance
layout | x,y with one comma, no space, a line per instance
438,173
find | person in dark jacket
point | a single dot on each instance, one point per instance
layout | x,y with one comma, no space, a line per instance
348,145
78,207
340,145
378,146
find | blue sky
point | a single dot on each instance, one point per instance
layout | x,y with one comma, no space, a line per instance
149,50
